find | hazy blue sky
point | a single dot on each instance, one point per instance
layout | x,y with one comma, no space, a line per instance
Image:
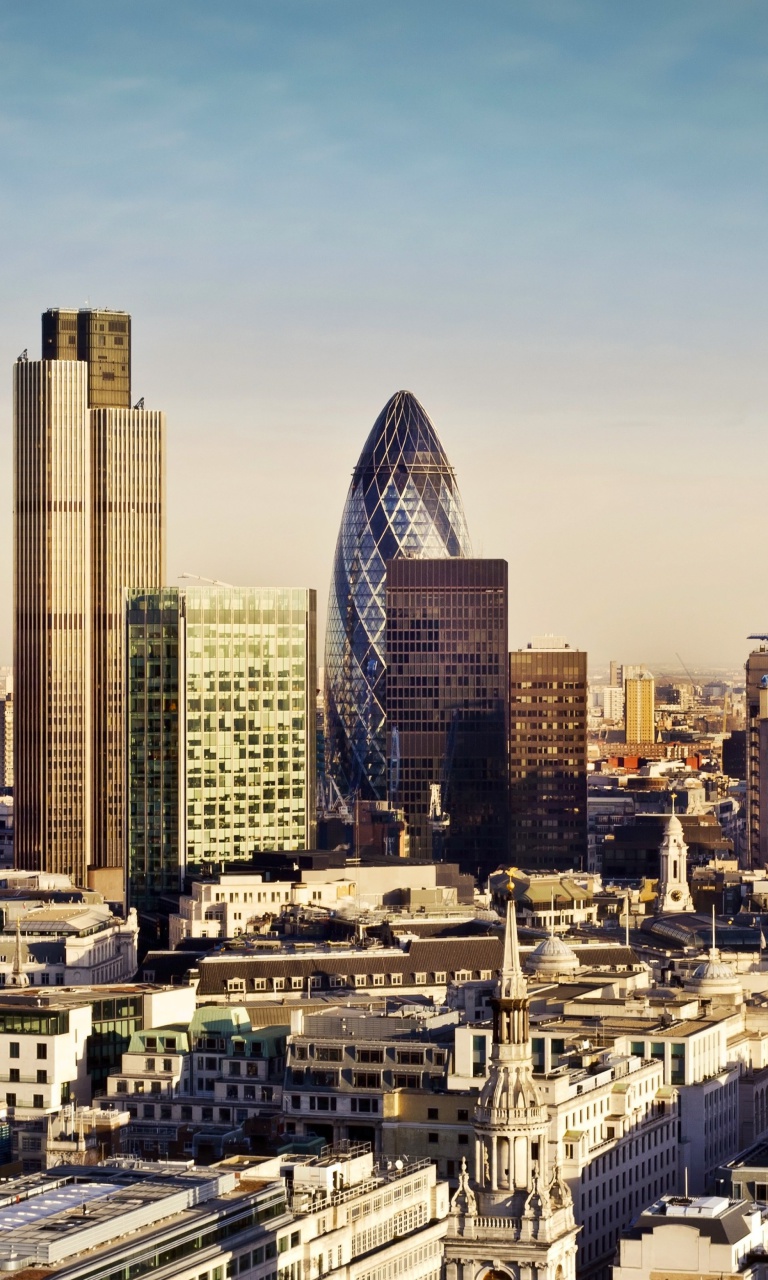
546,219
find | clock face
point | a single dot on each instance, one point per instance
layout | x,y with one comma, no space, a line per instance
676,895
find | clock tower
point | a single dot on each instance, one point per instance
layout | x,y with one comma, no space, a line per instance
674,894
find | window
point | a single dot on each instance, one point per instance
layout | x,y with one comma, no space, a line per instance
463,1139
327,1053
440,977
432,1113
167,1064
42,1051
366,1079
37,1100
149,1111
420,979
370,1055
433,1138
463,1115
10,1099
410,1057
14,1048
14,1075
479,1050
150,1064
42,1077
122,1086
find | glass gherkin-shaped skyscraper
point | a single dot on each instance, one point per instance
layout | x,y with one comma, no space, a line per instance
403,501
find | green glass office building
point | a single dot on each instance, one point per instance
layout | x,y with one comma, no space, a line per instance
221,730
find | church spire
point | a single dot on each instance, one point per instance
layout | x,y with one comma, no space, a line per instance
513,985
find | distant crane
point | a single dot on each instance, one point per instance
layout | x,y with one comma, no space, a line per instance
213,581
685,669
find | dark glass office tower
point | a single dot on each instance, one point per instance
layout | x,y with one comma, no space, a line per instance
548,759
757,754
403,501
446,706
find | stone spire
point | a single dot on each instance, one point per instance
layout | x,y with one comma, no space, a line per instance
513,1216
18,978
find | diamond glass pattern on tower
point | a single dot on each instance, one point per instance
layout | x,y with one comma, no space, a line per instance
403,501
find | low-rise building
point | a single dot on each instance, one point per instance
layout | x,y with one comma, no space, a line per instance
703,1237
293,1218
68,944
342,1064
201,1088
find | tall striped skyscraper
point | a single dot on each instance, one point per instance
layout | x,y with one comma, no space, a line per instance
89,524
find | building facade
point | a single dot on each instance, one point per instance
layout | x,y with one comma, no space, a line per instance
446,707
757,756
548,759
403,501
639,709
221,730
88,523
6,730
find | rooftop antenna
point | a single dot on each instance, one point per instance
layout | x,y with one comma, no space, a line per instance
626,918
139,403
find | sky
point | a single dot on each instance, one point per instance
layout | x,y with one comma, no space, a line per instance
546,219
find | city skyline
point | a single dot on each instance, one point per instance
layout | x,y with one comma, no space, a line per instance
546,223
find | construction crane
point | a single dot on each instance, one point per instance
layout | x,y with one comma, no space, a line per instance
213,581
685,669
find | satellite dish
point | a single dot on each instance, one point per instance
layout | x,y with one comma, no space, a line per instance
398,1165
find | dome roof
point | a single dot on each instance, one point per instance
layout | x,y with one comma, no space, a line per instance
552,956
674,828
715,978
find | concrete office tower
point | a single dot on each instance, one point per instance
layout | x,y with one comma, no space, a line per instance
103,340
98,531
127,549
221,730
757,755
639,709
446,707
548,759
52,617
403,502
6,729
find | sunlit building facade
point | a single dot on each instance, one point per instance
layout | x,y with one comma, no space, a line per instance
221,730
403,502
89,523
